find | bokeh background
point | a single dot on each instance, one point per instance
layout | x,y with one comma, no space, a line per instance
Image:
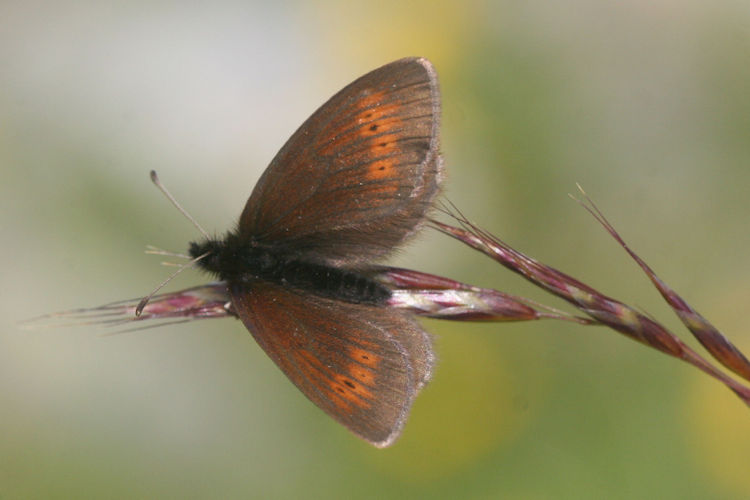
645,103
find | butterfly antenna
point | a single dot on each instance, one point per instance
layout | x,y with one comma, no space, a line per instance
157,183
152,250
144,300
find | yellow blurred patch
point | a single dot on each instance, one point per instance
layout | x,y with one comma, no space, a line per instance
470,408
389,30
720,435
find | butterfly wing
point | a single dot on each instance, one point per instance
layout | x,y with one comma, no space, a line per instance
359,175
363,365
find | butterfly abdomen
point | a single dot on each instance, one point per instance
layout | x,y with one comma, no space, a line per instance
332,282
239,261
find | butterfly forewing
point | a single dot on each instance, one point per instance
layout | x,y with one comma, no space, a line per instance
358,176
363,365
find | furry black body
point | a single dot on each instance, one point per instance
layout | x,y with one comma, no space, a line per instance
238,260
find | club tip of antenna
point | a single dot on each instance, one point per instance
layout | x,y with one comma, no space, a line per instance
154,177
141,305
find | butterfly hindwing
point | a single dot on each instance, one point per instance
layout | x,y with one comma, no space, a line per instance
361,364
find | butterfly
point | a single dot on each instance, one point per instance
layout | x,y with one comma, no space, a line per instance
355,181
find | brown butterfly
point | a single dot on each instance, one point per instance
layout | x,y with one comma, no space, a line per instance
352,183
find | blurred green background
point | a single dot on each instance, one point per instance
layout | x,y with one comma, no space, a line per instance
644,103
